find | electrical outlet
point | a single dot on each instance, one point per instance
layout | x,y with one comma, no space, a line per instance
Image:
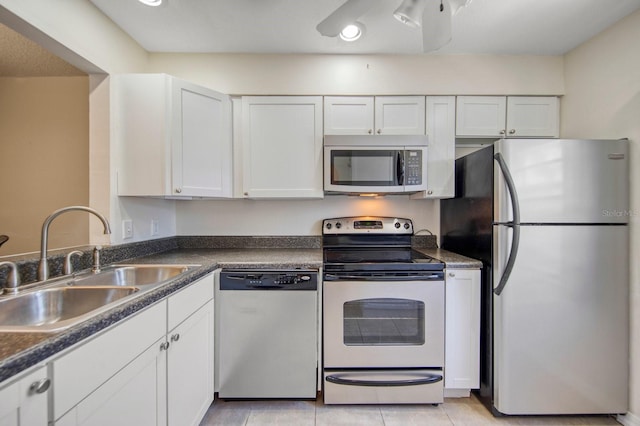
155,227
127,229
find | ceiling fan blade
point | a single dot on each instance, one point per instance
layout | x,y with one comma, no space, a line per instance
346,14
436,25
456,5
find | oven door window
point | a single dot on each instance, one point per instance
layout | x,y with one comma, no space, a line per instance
366,167
384,322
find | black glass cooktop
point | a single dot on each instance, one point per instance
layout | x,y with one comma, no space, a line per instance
385,258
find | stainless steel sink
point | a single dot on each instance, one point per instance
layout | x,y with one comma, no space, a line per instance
52,309
134,275
67,301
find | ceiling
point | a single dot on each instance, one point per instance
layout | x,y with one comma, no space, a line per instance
509,27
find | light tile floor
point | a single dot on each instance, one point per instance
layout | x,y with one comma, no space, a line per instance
454,411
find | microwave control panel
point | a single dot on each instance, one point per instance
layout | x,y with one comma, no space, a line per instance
413,167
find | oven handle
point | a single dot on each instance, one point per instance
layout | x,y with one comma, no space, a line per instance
428,379
430,277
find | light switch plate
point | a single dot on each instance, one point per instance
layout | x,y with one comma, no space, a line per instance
127,229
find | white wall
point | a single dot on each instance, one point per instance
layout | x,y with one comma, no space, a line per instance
297,217
246,74
602,100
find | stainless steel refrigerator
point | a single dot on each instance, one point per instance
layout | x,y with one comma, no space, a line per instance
548,218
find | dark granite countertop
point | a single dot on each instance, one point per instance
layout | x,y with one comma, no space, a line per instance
19,351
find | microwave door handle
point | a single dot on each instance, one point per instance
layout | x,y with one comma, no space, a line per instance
400,167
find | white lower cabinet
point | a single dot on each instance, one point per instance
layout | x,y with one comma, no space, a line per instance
190,360
156,368
462,330
23,402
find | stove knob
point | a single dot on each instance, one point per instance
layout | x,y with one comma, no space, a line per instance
406,226
338,225
328,226
397,225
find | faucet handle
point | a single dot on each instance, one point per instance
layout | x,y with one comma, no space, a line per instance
96,259
13,279
68,266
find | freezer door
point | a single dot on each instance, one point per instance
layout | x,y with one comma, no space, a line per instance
561,325
565,181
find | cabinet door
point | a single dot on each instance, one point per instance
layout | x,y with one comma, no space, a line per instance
136,395
100,358
441,128
533,116
190,368
201,160
282,146
24,405
462,329
399,115
481,116
348,115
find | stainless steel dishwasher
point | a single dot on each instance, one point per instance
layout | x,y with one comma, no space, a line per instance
267,333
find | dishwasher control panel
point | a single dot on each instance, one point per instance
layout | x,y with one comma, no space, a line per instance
235,279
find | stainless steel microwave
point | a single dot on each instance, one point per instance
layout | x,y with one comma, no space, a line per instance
375,164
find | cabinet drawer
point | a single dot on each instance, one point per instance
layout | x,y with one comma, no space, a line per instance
188,300
79,372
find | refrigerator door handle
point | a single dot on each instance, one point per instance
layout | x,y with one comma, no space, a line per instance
515,223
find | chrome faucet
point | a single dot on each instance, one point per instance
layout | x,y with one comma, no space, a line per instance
43,267
13,279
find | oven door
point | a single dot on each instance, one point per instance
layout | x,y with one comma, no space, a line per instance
381,324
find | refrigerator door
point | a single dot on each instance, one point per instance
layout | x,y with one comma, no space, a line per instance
561,324
565,181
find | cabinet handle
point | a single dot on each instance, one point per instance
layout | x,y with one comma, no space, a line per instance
502,132
164,346
178,190
370,131
175,337
452,275
379,131
512,131
41,386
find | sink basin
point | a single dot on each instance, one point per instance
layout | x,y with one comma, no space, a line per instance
134,275
56,308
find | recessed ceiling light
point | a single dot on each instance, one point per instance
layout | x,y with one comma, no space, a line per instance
151,2
352,32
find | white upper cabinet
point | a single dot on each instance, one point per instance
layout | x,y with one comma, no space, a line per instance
173,137
348,115
367,115
481,116
512,116
282,147
441,130
533,116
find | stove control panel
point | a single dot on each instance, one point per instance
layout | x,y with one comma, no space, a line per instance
367,225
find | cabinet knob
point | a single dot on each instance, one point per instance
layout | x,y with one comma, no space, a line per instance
512,131
370,131
164,346
178,190
246,194
379,131
175,337
452,275
502,132
41,386
430,192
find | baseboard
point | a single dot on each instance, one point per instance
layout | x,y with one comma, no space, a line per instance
628,419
